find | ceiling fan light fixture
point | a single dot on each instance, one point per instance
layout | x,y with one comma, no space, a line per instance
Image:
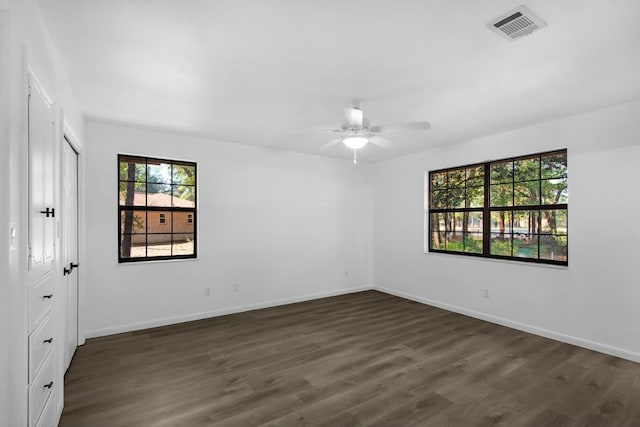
355,142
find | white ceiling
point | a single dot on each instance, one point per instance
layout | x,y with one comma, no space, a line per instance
252,71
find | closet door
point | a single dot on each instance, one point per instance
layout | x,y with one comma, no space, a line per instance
41,180
43,373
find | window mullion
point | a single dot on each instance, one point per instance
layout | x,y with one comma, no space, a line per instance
486,215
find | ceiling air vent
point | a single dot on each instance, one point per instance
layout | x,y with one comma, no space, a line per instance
518,23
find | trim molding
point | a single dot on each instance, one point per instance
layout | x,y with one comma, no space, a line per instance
557,336
220,312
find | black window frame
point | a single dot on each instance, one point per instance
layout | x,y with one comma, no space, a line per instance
168,209
486,209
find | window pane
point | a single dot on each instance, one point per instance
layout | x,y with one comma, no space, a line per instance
132,222
159,195
554,221
454,221
133,246
184,174
183,244
455,178
501,172
525,222
526,193
553,248
437,230
132,194
473,221
158,172
473,232
159,222
502,195
554,165
184,196
455,198
159,245
473,243
501,223
554,191
438,180
454,242
475,175
181,222
439,199
526,169
525,246
475,197
454,235
132,169
501,244
437,240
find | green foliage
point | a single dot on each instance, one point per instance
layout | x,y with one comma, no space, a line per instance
458,188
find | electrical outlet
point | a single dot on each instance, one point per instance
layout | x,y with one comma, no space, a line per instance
207,292
236,287
485,293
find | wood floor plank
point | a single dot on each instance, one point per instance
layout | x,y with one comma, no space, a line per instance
363,359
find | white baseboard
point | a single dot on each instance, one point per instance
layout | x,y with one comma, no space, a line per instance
580,342
220,312
558,336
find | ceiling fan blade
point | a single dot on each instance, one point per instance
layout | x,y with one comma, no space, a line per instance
380,141
355,117
330,144
401,126
318,130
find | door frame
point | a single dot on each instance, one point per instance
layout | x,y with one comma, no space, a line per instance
70,137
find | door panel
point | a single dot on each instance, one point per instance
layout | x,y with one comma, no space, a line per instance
41,180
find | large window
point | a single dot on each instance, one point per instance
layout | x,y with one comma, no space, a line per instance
156,209
512,208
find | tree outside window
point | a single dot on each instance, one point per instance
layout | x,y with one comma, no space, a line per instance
512,208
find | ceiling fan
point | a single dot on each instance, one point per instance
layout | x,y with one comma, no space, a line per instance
356,131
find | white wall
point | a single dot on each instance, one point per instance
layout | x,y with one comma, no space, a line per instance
25,45
595,302
284,225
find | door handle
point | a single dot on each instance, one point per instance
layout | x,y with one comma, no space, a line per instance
49,211
65,271
72,266
48,341
47,296
49,385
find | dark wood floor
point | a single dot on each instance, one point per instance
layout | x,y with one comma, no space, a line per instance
360,359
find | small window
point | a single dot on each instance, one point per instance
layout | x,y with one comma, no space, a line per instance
513,208
157,209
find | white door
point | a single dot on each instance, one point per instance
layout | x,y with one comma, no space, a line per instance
70,249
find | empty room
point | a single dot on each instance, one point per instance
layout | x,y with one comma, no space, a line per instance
319,213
